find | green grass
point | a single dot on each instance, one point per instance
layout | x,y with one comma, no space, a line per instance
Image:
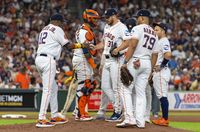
192,126
15,121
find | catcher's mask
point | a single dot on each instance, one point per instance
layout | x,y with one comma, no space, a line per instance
91,16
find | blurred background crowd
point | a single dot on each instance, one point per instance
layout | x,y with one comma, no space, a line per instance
22,20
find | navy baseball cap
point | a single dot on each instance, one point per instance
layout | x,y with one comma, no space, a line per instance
110,12
130,23
162,25
58,17
143,12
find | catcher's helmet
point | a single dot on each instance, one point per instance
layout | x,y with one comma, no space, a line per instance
90,16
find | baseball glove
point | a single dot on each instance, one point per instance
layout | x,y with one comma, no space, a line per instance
114,46
126,76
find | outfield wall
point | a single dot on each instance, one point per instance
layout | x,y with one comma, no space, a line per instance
30,100
187,101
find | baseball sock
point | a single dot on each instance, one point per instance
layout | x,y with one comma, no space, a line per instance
164,106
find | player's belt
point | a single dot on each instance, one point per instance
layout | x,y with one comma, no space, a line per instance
107,56
46,55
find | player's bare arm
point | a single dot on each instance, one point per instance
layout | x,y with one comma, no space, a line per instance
123,46
131,48
99,46
167,57
153,63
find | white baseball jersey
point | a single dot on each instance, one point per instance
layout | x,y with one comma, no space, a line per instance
147,41
161,78
114,34
80,38
164,46
51,39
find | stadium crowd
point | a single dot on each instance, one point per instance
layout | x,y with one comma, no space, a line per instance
22,20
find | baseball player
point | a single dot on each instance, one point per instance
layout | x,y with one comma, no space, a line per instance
83,63
154,107
130,23
138,61
51,40
161,74
115,33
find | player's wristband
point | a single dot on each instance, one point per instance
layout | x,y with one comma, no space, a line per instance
78,46
164,63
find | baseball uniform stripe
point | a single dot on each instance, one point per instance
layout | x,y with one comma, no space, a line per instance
160,84
49,88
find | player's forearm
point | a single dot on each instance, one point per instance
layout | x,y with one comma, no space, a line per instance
154,59
129,54
99,46
123,46
167,57
131,49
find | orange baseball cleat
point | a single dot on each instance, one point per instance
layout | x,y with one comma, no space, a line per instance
161,122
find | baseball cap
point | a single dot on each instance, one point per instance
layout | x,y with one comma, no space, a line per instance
130,23
143,12
110,12
162,25
58,17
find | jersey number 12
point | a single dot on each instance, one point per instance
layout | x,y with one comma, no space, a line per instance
42,37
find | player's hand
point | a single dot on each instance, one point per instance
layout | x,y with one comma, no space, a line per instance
87,44
136,64
157,68
92,46
115,51
124,65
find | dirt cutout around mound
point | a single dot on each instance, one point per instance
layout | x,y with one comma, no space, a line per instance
91,126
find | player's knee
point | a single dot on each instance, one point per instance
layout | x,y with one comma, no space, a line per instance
88,87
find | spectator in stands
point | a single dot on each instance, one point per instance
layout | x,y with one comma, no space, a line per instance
185,80
21,21
22,78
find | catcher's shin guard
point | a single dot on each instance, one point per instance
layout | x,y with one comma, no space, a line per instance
86,92
82,101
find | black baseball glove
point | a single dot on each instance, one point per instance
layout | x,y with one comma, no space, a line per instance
114,46
126,76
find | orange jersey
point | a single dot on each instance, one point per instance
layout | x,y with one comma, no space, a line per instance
23,80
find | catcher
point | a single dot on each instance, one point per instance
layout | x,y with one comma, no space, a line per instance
83,63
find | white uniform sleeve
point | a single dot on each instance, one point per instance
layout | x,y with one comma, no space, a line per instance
136,32
61,37
166,46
